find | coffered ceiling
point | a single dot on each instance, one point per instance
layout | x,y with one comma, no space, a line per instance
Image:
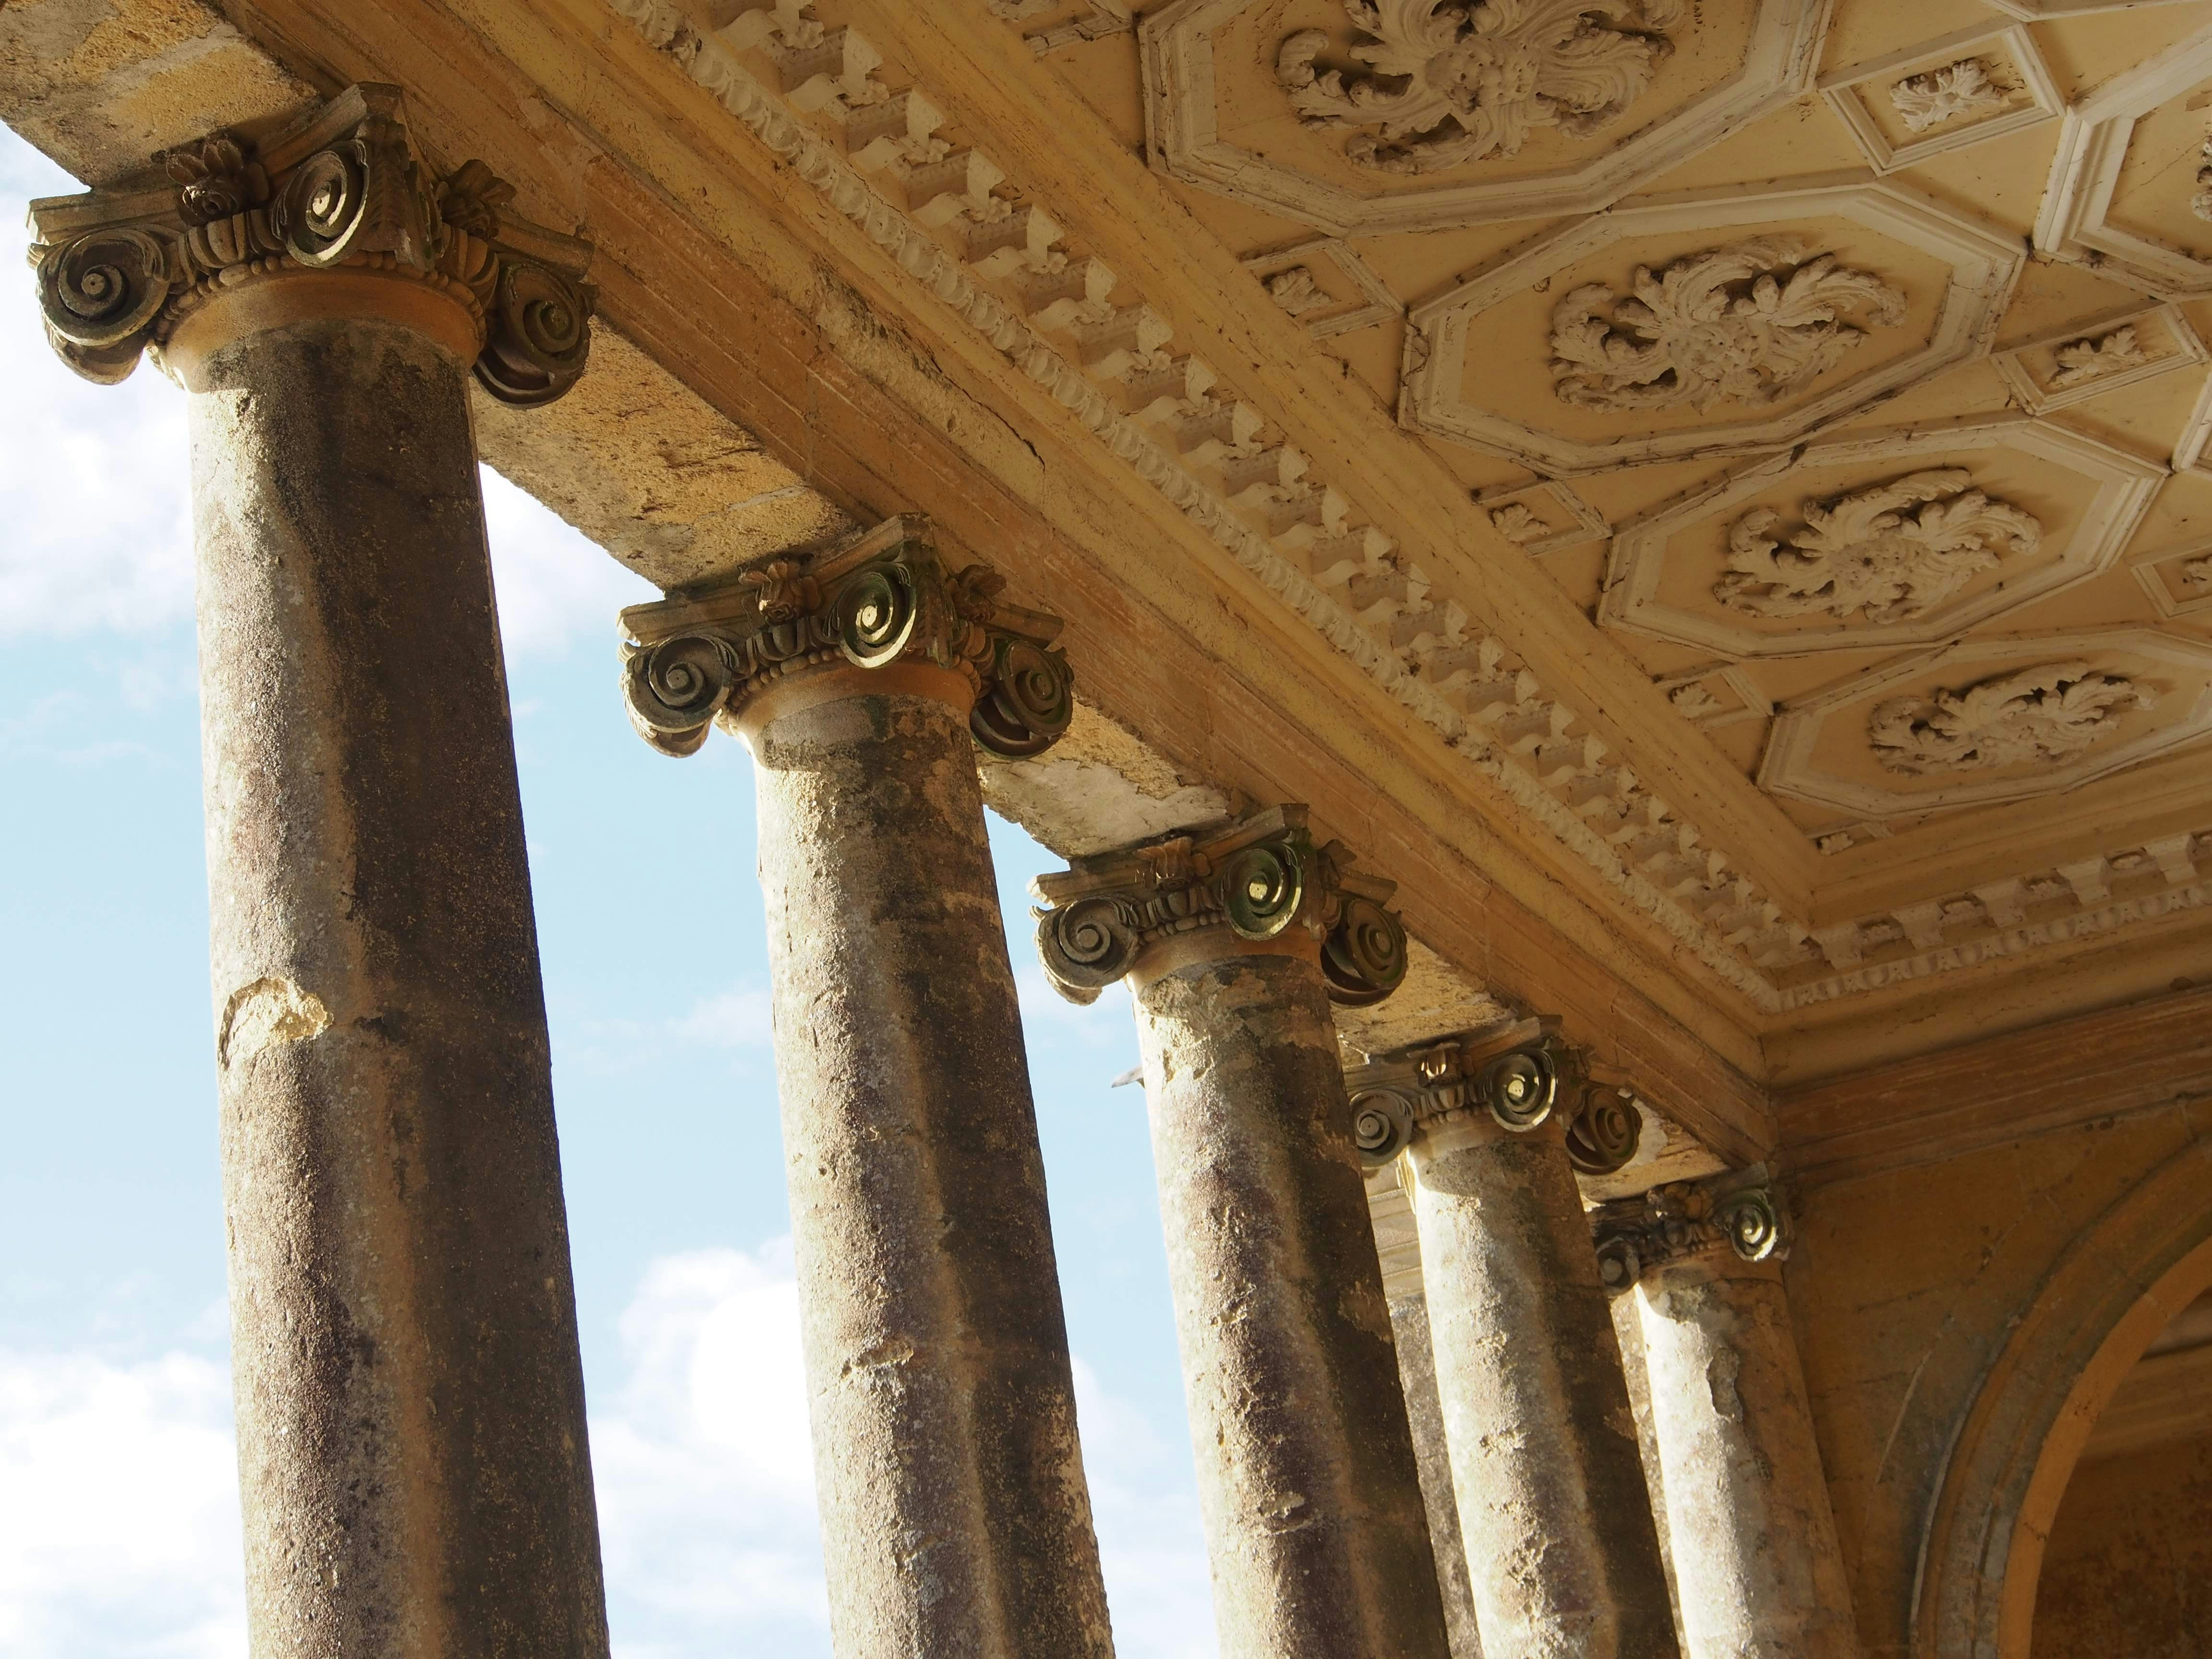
1844,363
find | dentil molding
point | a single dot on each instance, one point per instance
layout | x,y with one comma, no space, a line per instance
1483,76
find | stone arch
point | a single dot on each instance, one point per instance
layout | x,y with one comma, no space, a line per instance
2144,1260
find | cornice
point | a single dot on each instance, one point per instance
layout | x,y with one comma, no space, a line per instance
1180,428
1381,613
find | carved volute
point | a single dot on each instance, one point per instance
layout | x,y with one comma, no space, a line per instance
1521,1074
1262,882
885,603
1737,1212
345,192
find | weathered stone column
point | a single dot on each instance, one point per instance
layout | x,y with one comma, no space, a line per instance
955,1517
1234,944
1560,1549
1399,1247
411,1408
1756,1557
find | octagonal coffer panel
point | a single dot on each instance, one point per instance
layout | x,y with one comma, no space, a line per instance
1707,326
1992,719
1881,541
1404,116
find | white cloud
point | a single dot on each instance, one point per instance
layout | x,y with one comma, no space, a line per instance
735,1018
119,1536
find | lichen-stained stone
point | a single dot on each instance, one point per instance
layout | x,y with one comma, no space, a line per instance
1747,1511
954,1516
1560,1546
1307,1478
411,1404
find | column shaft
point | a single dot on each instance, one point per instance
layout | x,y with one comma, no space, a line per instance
1307,1476
1424,1413
1558,1529
956,1519
410,1410
1755,1549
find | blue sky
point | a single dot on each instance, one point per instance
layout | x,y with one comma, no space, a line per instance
119,1537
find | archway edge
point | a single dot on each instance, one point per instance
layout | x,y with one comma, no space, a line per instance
2145,1259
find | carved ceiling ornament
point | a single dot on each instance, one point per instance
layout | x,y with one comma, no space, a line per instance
885,597
1964,89
1449,83
1260,879
345,188
1868,553
2081,361
1751,323
2046,715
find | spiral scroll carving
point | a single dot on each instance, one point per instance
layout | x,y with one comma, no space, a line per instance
537,335
887,596
1364,957
100,294
1029,703
346,190
1086,947
1604,1133
1519,1088
1261,880
675,689
1381,1125
1734,1214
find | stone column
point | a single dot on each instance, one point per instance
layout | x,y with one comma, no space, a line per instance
1561,1553
954,1516
1756,1557
1234,944
411,1408
1397,1244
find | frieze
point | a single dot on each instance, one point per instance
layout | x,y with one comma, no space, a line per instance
345,189
886,598
1260,880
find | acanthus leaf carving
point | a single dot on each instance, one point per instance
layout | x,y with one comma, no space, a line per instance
1295,291
1751,322
1449,83
1518,522
2197,572
1964,89
1866,552
2092,359
2045,714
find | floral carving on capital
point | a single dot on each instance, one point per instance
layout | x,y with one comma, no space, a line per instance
2047,715
1893,552
886,598
344,188
1447,83
1751,323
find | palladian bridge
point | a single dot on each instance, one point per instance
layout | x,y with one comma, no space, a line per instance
1608,601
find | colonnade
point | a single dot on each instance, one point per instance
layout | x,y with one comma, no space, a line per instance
409,1401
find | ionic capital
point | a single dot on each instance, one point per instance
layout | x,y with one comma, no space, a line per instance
1260,885
1519,1073
339,215
1738,1213
884,606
